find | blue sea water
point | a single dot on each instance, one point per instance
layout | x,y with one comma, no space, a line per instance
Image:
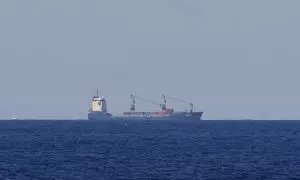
58,149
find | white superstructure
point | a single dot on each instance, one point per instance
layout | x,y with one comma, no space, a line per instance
98,104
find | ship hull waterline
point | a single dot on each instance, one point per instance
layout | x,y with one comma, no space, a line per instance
177,116
99,116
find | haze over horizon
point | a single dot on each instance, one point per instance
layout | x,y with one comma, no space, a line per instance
232,59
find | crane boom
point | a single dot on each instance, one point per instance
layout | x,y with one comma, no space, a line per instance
176,99
183,101
146,100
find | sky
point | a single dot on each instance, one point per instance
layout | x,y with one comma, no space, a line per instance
233,59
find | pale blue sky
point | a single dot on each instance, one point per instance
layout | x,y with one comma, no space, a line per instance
233,59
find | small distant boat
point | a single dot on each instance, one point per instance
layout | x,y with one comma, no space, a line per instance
15,118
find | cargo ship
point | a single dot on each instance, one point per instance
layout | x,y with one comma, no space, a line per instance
98,111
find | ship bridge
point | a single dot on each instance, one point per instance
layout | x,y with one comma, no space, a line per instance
98,104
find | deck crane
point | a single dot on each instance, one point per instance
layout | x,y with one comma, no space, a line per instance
163,106
133,97
132,106
183,101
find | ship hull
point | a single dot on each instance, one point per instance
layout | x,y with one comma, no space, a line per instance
174,116
99,116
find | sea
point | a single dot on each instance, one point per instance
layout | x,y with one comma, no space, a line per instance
207,149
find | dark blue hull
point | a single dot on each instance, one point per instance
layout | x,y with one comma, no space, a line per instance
99,116
174,116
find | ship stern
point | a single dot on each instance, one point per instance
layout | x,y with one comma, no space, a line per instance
99,116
